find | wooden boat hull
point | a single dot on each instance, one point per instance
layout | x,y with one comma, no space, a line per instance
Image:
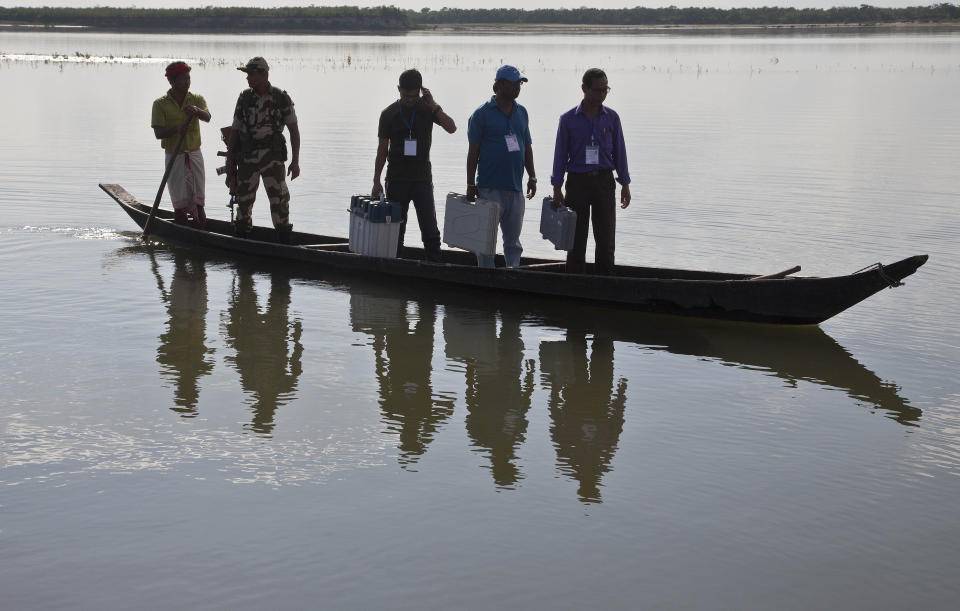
793,300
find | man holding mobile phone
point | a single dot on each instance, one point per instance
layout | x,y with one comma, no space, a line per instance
405,134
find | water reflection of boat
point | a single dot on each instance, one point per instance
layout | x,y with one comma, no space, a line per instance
266,344
586,401
484,338
403,351
792,354
789,353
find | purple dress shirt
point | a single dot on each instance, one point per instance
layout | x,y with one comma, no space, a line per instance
576,131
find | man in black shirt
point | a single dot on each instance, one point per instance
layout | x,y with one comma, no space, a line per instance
405,133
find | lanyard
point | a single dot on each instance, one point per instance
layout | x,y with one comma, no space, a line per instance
592,152
509,118
593,127
412,118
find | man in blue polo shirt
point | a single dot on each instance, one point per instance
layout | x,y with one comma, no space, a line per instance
499,135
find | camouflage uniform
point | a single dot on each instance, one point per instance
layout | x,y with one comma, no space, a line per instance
258,121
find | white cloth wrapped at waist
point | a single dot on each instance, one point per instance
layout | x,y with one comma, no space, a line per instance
187,181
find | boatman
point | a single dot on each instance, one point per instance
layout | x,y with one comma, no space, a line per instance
171,117
257,149
589,148
499,136
405,133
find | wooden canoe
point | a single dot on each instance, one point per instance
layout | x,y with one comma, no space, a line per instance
743,297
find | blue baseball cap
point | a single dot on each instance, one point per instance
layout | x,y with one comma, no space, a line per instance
509,73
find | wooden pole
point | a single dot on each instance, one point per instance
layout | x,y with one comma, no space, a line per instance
778,275
163,183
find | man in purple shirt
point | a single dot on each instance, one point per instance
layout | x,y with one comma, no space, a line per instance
589,148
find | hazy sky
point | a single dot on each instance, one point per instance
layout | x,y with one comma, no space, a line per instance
437,4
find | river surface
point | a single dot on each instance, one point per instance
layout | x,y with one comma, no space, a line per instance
181,430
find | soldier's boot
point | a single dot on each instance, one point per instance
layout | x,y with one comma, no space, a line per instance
240,229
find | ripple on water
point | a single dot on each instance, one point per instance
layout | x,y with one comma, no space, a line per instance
52,453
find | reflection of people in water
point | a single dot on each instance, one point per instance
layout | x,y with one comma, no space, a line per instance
586,410
182,353
403,366
499,384
267,345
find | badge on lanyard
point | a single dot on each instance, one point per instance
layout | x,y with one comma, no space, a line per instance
409,143
512,144
593,155
409,147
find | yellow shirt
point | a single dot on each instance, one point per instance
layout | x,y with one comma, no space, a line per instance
167,113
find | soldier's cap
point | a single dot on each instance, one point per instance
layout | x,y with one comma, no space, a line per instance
257,64
509,73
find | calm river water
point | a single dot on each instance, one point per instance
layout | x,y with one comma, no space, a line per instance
178,430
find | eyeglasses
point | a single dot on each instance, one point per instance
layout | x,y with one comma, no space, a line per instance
600,89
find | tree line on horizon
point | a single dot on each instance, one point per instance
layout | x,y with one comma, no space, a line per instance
672,15
214,19
391,18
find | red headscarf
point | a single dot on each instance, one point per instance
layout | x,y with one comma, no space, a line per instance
175,70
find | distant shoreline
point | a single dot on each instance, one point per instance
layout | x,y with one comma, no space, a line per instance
600,28
66,28
392,20
487,28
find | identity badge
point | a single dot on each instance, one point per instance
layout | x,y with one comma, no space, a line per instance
593,155
512,144
409,147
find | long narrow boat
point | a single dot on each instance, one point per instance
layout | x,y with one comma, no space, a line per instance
777,298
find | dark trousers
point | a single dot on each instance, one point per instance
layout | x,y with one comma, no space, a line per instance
594,193
420,192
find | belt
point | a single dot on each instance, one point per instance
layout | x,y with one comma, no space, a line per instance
593,173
